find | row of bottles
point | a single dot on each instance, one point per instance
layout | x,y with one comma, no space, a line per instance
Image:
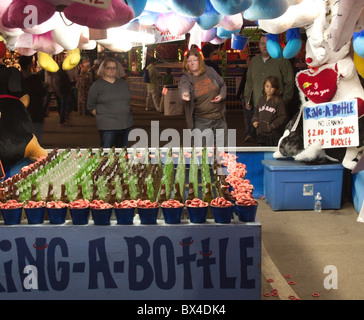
109,177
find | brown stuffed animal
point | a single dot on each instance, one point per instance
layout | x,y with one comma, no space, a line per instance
17,140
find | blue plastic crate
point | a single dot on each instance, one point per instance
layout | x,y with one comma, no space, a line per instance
292,185
358,190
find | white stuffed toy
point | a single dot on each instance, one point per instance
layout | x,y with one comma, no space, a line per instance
331,76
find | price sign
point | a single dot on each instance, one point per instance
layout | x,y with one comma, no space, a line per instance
334,124
102,4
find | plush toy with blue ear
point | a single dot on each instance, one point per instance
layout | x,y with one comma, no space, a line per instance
294,43
160,6
210,18
188,8
230,7
263,9
358,43
148,18
226,34
293,46
273,46
138,6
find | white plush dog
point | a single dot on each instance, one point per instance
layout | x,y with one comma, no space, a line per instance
336,75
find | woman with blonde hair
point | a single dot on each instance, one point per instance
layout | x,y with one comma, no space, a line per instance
203,93
109,101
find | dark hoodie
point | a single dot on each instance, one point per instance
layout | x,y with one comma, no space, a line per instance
271,116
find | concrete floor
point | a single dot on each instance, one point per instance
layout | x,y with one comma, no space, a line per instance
296,243
303,243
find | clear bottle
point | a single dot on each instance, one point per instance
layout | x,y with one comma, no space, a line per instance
318,199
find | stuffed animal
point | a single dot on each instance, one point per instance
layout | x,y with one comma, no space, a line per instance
17,140
57,31
331,76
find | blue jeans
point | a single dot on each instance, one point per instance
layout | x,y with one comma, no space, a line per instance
63,107
114,138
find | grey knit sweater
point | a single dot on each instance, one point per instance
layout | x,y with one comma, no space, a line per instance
186,85
112,104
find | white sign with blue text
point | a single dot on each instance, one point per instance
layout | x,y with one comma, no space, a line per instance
333,124
132,262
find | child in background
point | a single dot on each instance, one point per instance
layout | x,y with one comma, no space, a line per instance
270,114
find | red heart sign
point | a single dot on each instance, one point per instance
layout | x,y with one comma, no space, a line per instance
318,87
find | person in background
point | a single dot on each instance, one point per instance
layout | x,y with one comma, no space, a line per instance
248,107
261,66
109,100
73,75
203,92
120,72
84,82
208,51
33,86
153,93
270,115
167,80
95,69
62,87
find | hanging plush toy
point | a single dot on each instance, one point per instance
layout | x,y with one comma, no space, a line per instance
17,140
210,18
262,9
50,32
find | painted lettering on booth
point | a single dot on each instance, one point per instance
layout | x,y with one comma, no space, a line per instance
159,263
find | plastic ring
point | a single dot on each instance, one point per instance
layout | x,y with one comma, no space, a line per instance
270,280
291,283
266,294
292,298
40,248
186,244
287,276
315,295
206,254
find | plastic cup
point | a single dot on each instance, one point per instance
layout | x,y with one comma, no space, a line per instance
238,42
57,215
80,216
172,215
222,214
124,215
101,216
12,216
246,213
35,215
197,214
148,215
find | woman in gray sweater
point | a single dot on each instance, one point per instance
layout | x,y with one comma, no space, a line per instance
109,100
203,93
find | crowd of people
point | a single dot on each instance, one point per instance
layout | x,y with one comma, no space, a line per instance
100,89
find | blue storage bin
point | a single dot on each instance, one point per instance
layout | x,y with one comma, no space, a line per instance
358,190
292,185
